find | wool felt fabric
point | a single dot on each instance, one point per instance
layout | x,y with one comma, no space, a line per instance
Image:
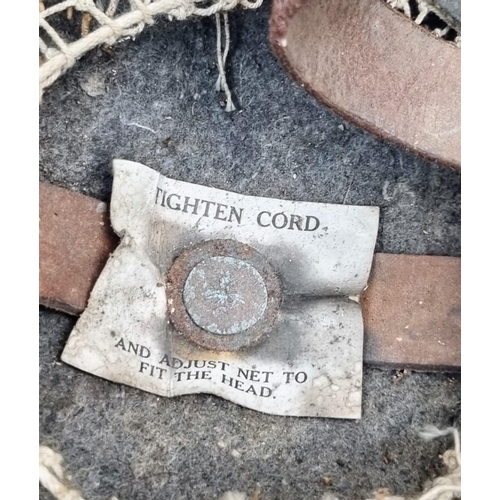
154,102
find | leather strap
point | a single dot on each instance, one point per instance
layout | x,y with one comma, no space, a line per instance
411,311
411,307
376,68
76,239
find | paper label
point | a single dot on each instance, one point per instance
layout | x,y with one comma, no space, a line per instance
310,363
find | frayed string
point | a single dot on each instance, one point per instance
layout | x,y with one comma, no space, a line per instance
221,83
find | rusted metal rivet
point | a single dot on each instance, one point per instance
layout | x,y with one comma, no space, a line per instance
222,295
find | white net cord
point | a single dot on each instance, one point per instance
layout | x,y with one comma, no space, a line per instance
221,83
118,19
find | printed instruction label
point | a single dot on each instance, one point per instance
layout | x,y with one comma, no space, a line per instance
310,364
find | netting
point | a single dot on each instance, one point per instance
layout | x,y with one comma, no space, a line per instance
106,22
429,17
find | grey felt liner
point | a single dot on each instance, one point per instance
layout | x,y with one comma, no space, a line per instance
280,143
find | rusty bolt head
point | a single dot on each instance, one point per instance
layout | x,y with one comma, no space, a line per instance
223,295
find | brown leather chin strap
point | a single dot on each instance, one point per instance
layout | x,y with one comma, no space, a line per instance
376,68
411,306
